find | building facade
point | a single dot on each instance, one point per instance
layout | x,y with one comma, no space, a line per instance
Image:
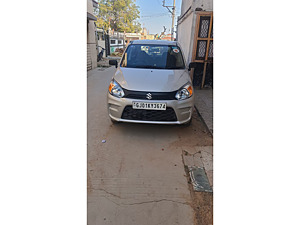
101,40
195,35
131,37
92,50
166,37
117,41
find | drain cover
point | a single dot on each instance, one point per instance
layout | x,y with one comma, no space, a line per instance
199,179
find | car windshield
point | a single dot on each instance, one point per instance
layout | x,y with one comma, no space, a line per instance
153,57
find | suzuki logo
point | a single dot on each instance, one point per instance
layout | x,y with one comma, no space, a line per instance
149,96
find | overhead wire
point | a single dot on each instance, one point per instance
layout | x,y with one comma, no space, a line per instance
153,16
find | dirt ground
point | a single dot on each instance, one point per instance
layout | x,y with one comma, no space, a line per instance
202,203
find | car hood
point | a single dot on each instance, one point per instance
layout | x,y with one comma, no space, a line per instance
159,80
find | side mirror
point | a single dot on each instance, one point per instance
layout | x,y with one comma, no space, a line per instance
113,62
192,65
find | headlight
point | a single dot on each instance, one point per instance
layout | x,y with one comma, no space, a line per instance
184,92
115,89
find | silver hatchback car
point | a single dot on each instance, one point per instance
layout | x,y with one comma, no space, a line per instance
151,85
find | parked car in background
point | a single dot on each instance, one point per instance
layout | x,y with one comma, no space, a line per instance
151,85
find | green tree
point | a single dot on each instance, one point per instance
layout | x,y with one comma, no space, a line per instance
119,15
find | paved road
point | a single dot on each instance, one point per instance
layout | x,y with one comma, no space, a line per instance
137,177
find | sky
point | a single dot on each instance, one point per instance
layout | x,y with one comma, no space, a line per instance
154,16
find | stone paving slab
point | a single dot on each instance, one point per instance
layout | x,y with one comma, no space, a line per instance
192,160
200,157
207,159
199,179
207,149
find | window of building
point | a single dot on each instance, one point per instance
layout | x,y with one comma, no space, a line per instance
119,41
112,42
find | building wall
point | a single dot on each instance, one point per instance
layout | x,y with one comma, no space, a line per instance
206,5
150,37
90,7
101,44
91,44
101,41
185,5
116,45
132,36
91,40
186,25
184,35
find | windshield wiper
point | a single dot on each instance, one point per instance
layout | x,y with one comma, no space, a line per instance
174,68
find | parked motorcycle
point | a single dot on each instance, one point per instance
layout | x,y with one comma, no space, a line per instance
100,55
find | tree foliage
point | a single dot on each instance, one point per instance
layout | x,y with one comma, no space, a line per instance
119,15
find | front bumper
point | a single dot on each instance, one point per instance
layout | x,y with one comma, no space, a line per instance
183,109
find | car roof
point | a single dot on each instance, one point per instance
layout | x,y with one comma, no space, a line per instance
153,42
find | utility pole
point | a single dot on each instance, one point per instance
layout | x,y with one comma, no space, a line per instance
173,21
173,16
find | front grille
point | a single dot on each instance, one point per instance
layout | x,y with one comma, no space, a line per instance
167,115
155,95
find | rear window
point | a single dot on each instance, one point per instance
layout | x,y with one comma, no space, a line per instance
153,56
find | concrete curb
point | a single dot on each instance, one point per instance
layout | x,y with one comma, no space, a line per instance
203,121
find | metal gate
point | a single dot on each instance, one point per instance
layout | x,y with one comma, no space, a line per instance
203,49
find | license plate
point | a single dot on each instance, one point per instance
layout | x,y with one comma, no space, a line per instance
150,106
